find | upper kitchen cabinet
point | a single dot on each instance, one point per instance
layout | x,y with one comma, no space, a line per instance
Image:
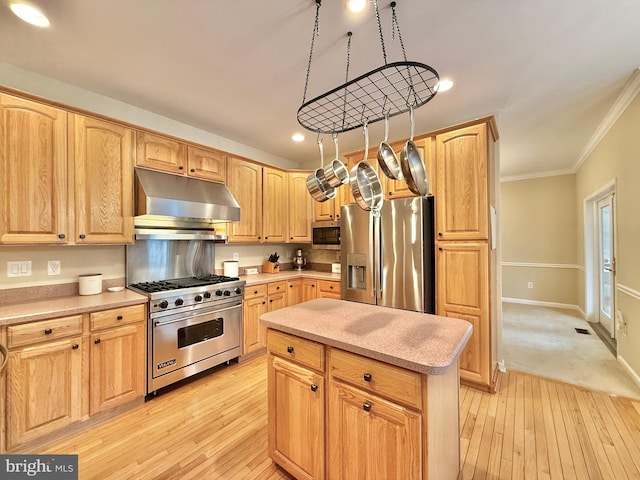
160,153
398,188
462,159
33,172
275,203
207,164
300,208
244,179
102,156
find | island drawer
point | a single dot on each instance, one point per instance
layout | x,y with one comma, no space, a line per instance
299,350
116,317
277,287
34,332
255,291
395,383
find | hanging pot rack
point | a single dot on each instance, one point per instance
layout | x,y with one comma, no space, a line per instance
387,91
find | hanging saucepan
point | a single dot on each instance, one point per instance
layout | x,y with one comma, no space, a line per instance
317,184
364,181
336,173
413,167
387,158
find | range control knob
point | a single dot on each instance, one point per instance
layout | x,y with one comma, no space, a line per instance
226,293
238,291
218,293
163,304
179,302
207,294
198,298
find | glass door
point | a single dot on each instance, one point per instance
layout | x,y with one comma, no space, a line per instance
606,265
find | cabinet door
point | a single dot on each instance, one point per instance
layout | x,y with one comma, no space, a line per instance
462,292
328,289
33,172
399,188
296,419
370,437
207,164
294,292
244,179
309,289
103,161
254,333
277,301
323,211
300,208
462,210
44,389
117,367
160,153
275,204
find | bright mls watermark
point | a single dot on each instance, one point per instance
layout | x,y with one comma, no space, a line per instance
50,467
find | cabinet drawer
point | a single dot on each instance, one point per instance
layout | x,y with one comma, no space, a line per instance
116,317
277,287
255,291
395,383
302,351
18,335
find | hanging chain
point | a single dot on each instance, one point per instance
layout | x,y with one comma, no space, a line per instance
313,39
384,52
395,26
346,80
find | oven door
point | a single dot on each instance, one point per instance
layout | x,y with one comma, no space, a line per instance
183,344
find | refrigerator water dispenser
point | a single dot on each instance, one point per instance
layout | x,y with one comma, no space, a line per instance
356,270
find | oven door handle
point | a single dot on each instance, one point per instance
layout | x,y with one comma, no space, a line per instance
158,323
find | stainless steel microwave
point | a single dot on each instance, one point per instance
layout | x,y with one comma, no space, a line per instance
325,235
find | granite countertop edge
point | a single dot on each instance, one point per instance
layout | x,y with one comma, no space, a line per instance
287,275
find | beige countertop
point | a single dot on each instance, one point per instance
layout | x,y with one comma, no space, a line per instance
288,275
417,341
45,308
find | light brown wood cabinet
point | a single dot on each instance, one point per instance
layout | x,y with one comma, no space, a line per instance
244,180
309,289
160,153
275,205
328,289
294,291
255,304
33,172
206,164
103,174
300,208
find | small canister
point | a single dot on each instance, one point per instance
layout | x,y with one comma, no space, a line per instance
230,268
90,284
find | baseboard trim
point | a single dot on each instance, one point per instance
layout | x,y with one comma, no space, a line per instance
542,265
630,371
540,303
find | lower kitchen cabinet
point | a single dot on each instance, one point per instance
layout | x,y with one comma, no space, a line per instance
328,289
255,304
309,289
294,291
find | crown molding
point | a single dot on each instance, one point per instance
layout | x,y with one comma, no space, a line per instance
529,176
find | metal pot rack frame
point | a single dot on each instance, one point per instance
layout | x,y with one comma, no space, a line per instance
389,90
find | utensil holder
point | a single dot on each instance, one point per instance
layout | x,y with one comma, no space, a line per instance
270,267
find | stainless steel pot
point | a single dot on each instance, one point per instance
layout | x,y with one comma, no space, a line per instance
365,183
336,173
413,166
387,158
317,184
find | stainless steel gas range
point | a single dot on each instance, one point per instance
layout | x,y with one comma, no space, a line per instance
195,323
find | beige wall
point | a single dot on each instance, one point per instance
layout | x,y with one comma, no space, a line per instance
617,158
538,232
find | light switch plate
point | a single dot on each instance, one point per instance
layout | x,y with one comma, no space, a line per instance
19,269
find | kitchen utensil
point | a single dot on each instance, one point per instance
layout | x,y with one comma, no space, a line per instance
364,181
317,184
299,261
413,166
387,158
336,173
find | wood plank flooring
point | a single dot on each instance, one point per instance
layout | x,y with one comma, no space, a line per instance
216,428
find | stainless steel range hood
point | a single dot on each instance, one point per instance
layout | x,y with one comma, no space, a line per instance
176,203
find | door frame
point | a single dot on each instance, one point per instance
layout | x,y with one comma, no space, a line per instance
591,255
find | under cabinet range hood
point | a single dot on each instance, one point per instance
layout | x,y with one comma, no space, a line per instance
180,205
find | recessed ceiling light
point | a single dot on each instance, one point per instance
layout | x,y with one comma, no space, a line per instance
444,85
30,14
297,137
356,6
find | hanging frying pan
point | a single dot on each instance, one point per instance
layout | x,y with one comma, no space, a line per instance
317,184
364,181
387,158
336,173
413,167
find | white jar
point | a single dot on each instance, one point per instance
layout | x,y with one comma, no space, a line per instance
230,268
90,284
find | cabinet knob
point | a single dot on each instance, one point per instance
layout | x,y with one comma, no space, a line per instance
290,238
75,346
97,341
255,292
440,234
48,331
290,286
440,248
367,377
289,349
314,387
82,236
266,238
181,167
330,287
366,406
61,236
330,216
278,287
259,238
193,170
264,303
271,301
390,193
119,317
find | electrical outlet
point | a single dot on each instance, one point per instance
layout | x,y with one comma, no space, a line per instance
236,256
530,285
19,269
53,267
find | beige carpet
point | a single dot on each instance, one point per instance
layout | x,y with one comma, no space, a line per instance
543,341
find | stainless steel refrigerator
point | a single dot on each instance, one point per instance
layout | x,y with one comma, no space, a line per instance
388,258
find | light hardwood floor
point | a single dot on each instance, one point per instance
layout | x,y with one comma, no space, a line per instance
216,428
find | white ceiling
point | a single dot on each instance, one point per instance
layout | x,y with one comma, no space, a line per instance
548,69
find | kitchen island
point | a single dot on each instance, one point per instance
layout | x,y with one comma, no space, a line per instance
360,391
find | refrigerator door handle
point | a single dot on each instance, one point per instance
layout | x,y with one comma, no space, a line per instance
376,274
